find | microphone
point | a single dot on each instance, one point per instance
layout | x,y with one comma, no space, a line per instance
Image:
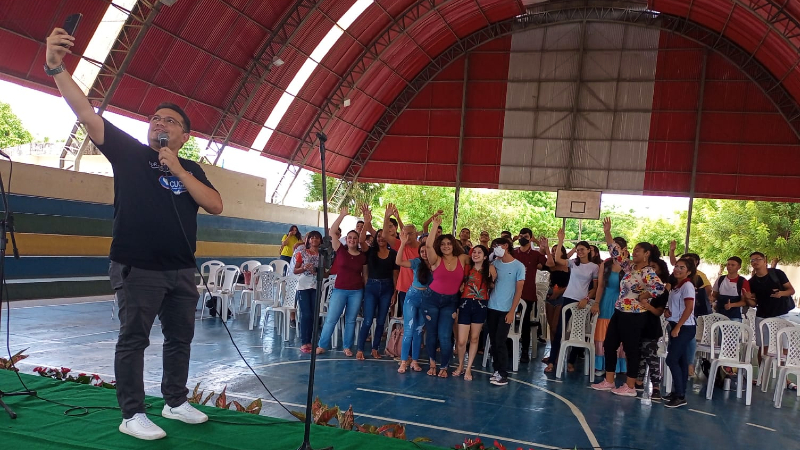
163,141
4,155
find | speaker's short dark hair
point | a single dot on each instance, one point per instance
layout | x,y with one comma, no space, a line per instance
180,111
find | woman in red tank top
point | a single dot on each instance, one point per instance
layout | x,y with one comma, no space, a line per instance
447,262
478,280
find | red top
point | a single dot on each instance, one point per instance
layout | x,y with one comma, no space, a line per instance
406,276
348,269
531,260
474,284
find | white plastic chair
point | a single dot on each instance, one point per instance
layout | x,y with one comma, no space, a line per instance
704,335
280,266
515,333
750,320
733,351
769,361
265,295
208,272
580,335
288,302
225,291
788,340
246,289
325,300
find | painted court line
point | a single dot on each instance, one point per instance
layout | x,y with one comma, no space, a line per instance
761,426
702,412
397,394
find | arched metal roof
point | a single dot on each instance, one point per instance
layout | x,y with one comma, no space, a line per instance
717,76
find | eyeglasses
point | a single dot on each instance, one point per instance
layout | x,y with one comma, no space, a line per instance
168,120
752,260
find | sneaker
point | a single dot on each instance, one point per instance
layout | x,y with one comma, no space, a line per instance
603,386
141,427
639,387
185,413
524,358
676,402
293,323
668,397
624,391
599,373
502,381
656,395
541,341
495,376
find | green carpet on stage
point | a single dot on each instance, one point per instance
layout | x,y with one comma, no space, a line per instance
43,425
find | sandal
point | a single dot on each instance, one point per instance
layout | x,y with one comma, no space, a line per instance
348,353
546,360
415,366
443,373
432,371
570,368
791,386
467,376
458,372
549,368
360,355
320,350
402,368
376,354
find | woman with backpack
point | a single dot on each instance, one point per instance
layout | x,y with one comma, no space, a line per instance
413,318
478,279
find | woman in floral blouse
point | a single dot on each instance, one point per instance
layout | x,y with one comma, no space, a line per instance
478,276
639,283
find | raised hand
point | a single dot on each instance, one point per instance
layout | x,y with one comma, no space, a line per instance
543,243
607,225
58,45
389,210
672,246
561,235
344,210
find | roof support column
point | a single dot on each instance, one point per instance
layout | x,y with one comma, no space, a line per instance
461,143
696,148
575,103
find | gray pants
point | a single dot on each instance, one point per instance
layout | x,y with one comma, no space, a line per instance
143,294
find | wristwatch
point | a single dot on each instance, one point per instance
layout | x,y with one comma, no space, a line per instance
55,71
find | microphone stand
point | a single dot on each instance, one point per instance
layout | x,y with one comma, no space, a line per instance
7,227
325,252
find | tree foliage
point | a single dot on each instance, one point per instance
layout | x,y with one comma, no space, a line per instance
359,192
12,132
190,150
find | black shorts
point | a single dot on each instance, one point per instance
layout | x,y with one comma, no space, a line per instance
472,311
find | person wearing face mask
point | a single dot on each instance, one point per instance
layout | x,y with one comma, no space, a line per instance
533,260
580,289
503,301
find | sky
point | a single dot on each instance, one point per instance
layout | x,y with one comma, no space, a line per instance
45,115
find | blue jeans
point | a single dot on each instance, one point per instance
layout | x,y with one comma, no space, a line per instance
413,323
678,357
305,304
349,302
439,310
377,298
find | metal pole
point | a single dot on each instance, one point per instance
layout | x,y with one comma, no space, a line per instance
696,149
461,144
575,103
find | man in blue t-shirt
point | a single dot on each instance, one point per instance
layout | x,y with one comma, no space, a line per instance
503,305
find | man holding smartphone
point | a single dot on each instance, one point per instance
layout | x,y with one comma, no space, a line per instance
156,198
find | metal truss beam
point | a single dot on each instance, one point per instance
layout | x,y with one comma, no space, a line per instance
112,70
257,72
540,16
348,84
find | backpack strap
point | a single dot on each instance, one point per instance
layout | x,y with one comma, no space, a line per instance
774,277
739,284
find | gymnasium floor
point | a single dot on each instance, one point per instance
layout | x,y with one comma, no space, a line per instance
533,411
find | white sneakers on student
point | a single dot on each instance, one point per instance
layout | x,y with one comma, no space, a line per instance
185,413
141,427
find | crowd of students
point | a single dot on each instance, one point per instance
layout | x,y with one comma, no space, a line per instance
449,287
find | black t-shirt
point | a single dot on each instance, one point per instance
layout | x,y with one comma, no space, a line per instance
762,288
652,329
146,231
381,269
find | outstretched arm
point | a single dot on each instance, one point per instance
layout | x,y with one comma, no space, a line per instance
672,246
433,258
557,256
399,258
335,226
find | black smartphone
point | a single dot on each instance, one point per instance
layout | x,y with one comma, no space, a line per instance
71,24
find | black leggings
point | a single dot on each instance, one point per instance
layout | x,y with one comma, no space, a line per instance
625,328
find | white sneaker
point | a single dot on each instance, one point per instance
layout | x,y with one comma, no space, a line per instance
495,376
141,427
185,413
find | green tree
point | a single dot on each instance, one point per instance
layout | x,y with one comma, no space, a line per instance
368,193
190,150
12,132
724,228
